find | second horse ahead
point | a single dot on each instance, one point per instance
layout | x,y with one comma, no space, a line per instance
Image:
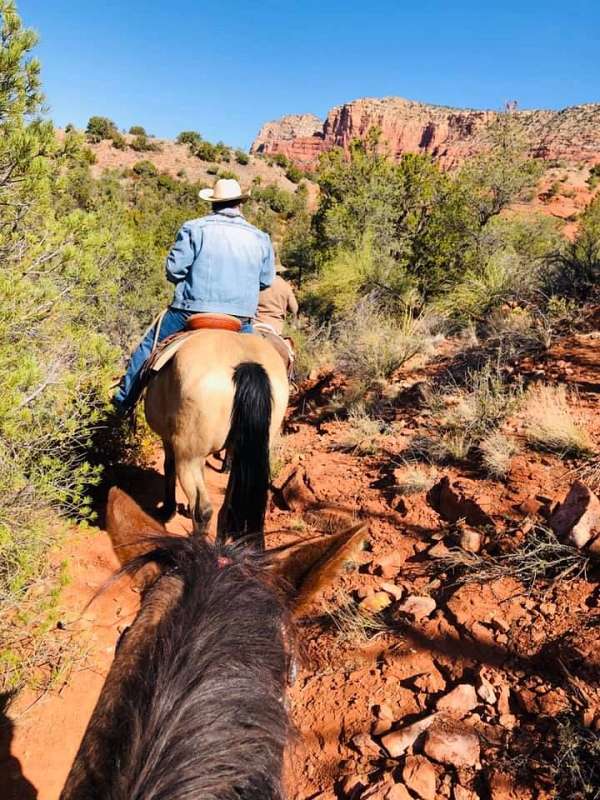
220,389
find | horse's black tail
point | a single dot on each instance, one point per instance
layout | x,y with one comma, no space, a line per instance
243,512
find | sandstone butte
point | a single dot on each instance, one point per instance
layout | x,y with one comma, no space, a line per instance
448,134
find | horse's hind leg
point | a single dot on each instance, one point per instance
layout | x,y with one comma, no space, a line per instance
191,477
170,504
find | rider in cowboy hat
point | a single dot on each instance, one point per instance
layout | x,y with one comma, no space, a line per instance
218,263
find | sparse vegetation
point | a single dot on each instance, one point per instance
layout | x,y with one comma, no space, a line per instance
189,137
553,424
242,157
541,557
594,176
370,346
137,130
294,174
142,144
497,451
99,128
413,479
576,763
468,417
354,624
362,433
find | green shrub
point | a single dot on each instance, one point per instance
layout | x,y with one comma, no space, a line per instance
145,169
142,144
294,174
594,176
119,141
242,157
279,159
189,137
99,128
137,130
228,173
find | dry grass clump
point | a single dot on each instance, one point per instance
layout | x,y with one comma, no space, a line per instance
353,623
313,346
541,556
370,346
412,479
589,473
483,403
467,416
440,448
363,434
497,451
553,426
576,763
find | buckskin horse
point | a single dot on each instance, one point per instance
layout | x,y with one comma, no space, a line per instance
220,389
193,705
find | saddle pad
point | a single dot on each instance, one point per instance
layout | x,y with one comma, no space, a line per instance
166,350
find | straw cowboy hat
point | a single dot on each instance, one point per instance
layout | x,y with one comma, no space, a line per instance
225,190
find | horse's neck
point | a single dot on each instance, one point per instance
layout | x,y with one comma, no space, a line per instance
196,699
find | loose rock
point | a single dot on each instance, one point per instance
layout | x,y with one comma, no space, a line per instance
389,565
398,742
460,793
578,517
398,792
396,592
459,701
419,775
470,540
485,690
452,744
418,606
376,602
365,745
456,501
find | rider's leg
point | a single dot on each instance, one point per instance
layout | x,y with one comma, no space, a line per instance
172,322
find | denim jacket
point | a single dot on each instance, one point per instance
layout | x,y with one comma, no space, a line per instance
219,263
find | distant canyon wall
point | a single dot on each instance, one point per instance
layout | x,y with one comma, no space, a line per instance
447,134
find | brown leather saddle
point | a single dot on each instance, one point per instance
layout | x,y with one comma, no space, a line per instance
219,322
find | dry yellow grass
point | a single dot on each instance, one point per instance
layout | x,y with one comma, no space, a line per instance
554,424
497,451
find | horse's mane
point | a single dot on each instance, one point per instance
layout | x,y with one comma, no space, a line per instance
200,713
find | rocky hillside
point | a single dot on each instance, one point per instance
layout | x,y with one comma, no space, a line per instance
448,134
177,160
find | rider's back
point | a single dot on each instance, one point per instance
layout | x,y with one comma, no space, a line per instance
218,264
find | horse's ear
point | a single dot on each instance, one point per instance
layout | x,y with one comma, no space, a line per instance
310,567
128,526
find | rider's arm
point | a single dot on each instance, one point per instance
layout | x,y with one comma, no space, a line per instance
267,272
182,255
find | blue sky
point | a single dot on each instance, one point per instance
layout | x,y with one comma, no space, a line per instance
225,67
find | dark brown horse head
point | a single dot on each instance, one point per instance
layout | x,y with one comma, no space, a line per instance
193,704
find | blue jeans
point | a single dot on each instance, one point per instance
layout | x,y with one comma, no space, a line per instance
173,322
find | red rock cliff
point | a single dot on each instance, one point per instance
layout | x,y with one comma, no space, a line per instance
448,134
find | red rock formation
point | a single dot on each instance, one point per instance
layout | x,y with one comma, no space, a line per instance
447,134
